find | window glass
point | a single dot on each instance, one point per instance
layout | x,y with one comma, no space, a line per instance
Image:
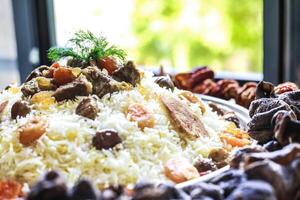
8,53
225,35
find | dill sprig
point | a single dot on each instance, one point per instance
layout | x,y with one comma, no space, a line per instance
85,46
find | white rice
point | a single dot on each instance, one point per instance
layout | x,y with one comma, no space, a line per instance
67,144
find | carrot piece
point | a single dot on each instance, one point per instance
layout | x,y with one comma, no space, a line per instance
63,75
234,141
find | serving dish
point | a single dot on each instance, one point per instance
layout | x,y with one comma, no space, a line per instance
243,116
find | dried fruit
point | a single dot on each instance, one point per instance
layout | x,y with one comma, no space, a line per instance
138,113
63,75
43,99
32,131
106,139
10,189
180,170
108,63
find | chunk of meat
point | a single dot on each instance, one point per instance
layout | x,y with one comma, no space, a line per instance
138,113
103,84
87,108
215,108
191,126
79,87
63,75
32,131
10,189
204,165
36,73
128,74
180,170
30,88
20,109
106,139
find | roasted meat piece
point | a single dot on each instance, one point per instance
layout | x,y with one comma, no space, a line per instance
87,108
239,155
204,165
285,87
264,90
79,87
103,84
36,73
128,73
246,94
189,124
30,88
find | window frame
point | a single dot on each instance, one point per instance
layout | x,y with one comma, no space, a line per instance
37,30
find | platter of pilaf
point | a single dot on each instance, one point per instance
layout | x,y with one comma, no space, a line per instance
93,121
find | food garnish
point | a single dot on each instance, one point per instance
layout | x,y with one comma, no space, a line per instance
85,48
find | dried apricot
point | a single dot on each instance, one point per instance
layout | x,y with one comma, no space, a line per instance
63,75
43,99
10,189
137,112
32,130
180,170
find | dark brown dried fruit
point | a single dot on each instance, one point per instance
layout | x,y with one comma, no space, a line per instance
20,109
83,190
184,119
264,90
106,139
30,88
87,108
36,72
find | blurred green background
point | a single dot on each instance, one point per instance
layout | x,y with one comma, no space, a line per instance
223,34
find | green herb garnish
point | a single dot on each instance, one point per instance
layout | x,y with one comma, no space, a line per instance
85,47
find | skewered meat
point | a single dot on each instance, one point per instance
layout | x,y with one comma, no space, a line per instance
165,81
184,119
253,190
87,108
228,88
106,139
79,87
20,109
128,74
